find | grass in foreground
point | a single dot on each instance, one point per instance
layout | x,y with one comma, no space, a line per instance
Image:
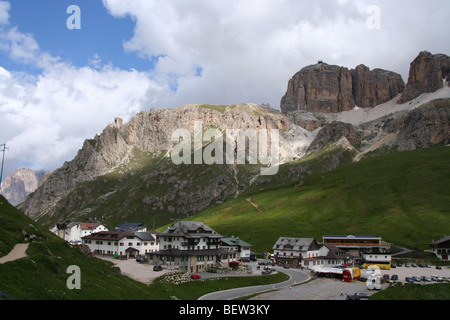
411,291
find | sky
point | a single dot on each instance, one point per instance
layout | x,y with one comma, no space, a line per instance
65,73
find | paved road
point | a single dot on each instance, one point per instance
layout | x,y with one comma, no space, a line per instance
296,277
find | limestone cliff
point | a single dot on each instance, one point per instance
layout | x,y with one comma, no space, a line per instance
427,73
332,89
20,183
149,133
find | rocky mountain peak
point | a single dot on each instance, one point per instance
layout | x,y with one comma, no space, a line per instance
428,73
332,89
20,183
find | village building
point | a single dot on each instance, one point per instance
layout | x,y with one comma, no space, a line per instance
441,248
117,243
240,249
366,250
291,251
327,256
73,232
191,246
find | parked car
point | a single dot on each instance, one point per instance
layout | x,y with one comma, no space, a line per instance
286,266
393,265
413,265
362,295
428,265
394,277
354,297
416,279
407,265
195,276
385,277
438,267
423,278
141,259
409,279
399,264
157,268
436,278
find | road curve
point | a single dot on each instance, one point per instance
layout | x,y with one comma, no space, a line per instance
295,277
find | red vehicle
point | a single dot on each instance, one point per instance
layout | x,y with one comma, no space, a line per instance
195,276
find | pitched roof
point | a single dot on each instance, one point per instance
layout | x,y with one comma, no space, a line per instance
108,235
235,242
440,241
85,225
119,235
294,244
147,236
190,229
130,226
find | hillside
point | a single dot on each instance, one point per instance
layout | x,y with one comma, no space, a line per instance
43,273
403,197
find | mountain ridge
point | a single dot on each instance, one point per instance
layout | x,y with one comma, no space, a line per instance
126,170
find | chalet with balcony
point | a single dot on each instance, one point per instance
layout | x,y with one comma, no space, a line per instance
441,248
239,249
189,245
127,244
291,251
74,231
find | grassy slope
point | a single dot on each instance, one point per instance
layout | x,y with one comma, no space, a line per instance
403,197
410,291
42,275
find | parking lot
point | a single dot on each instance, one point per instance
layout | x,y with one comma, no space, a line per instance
404,272
142,272
329,289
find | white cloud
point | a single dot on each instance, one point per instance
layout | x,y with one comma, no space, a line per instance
209,51
4,12
248,49
50,116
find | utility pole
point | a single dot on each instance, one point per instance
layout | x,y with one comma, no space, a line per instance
3,161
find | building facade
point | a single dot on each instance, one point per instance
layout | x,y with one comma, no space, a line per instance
291,251
327,256
191,246
73,232
366,250
240,249
128,244
441,248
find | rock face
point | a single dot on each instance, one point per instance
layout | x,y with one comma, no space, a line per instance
150,133
427,73
371,88
20,183
333,89
423,127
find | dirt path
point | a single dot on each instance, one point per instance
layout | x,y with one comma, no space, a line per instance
18,252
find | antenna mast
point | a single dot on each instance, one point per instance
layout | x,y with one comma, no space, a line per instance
3,161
